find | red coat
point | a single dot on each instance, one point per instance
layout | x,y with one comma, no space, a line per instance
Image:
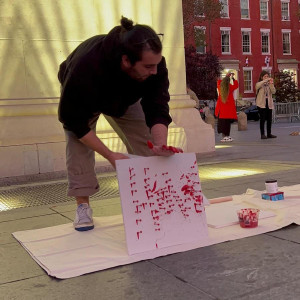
226,110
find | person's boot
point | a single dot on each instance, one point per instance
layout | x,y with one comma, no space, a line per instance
263,137
271,136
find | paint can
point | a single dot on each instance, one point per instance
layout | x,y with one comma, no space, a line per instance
271,186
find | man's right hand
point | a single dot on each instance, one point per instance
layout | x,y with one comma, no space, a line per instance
113,156
92,141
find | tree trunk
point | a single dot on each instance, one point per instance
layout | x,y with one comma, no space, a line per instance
209,33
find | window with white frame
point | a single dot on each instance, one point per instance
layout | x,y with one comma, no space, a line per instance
265,42
285,11
264,10
200,38
286,42
245,9
248,85
225,9
225,40
246,40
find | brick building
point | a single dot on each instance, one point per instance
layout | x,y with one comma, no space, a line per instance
251,35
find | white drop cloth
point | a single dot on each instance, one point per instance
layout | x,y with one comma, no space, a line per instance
65,253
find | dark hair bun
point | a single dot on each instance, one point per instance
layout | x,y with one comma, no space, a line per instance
126,23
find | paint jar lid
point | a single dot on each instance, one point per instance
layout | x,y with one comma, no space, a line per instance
271,180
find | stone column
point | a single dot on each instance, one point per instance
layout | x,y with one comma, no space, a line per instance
198,136
36,36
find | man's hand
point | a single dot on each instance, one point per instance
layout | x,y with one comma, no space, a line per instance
163,150
113,156
93,142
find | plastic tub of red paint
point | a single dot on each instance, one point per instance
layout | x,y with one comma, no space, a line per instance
248,217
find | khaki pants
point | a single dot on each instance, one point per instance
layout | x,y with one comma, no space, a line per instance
80,159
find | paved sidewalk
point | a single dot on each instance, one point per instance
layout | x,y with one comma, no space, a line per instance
260,267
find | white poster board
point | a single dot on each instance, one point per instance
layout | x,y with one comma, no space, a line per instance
162,201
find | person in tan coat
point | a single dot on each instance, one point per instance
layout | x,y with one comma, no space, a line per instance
264,102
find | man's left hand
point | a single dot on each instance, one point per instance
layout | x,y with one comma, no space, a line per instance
164,150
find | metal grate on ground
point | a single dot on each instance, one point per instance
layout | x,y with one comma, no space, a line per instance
52,193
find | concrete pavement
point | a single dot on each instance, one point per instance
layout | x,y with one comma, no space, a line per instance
260,267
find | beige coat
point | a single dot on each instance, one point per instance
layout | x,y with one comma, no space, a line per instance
261,91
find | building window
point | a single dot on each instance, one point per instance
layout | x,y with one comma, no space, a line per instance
198,8
225,41
285,14
245,9
264,10
248,80
200,38
265,49
293,73
286,42
225,9
246,45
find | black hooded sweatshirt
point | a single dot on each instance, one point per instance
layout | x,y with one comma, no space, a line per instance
93,83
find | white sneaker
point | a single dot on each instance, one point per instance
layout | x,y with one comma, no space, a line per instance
226,139
84,218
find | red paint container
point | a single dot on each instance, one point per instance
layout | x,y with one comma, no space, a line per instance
248,217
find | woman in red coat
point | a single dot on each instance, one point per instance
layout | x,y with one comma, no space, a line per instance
225,109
